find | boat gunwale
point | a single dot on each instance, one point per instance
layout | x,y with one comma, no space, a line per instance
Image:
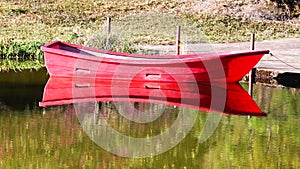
138,58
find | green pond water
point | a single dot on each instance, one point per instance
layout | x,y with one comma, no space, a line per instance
52,137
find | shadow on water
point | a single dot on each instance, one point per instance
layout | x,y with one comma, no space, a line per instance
18,98
21,89
24,78
289,79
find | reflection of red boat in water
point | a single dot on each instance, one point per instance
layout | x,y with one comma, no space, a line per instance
69,60
59,91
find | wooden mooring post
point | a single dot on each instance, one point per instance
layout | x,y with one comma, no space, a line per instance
178,43
253,71
108,29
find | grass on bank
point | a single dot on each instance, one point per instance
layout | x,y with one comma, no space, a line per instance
20,55
14,65
26,25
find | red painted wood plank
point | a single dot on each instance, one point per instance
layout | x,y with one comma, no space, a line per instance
69,60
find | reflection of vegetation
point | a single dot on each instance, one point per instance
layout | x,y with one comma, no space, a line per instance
140,112
55,139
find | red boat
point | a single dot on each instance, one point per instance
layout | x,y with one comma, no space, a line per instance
59,91
69,60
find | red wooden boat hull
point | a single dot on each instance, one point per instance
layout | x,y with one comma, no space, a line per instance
59,91
69,60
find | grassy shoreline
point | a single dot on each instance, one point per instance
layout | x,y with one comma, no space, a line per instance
25,26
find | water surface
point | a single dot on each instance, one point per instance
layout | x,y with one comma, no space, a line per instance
34,137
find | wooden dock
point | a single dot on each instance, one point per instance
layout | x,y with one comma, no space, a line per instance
284,59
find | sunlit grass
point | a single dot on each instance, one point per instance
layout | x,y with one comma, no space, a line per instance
14,65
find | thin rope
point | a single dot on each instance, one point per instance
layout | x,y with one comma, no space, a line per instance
284,62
